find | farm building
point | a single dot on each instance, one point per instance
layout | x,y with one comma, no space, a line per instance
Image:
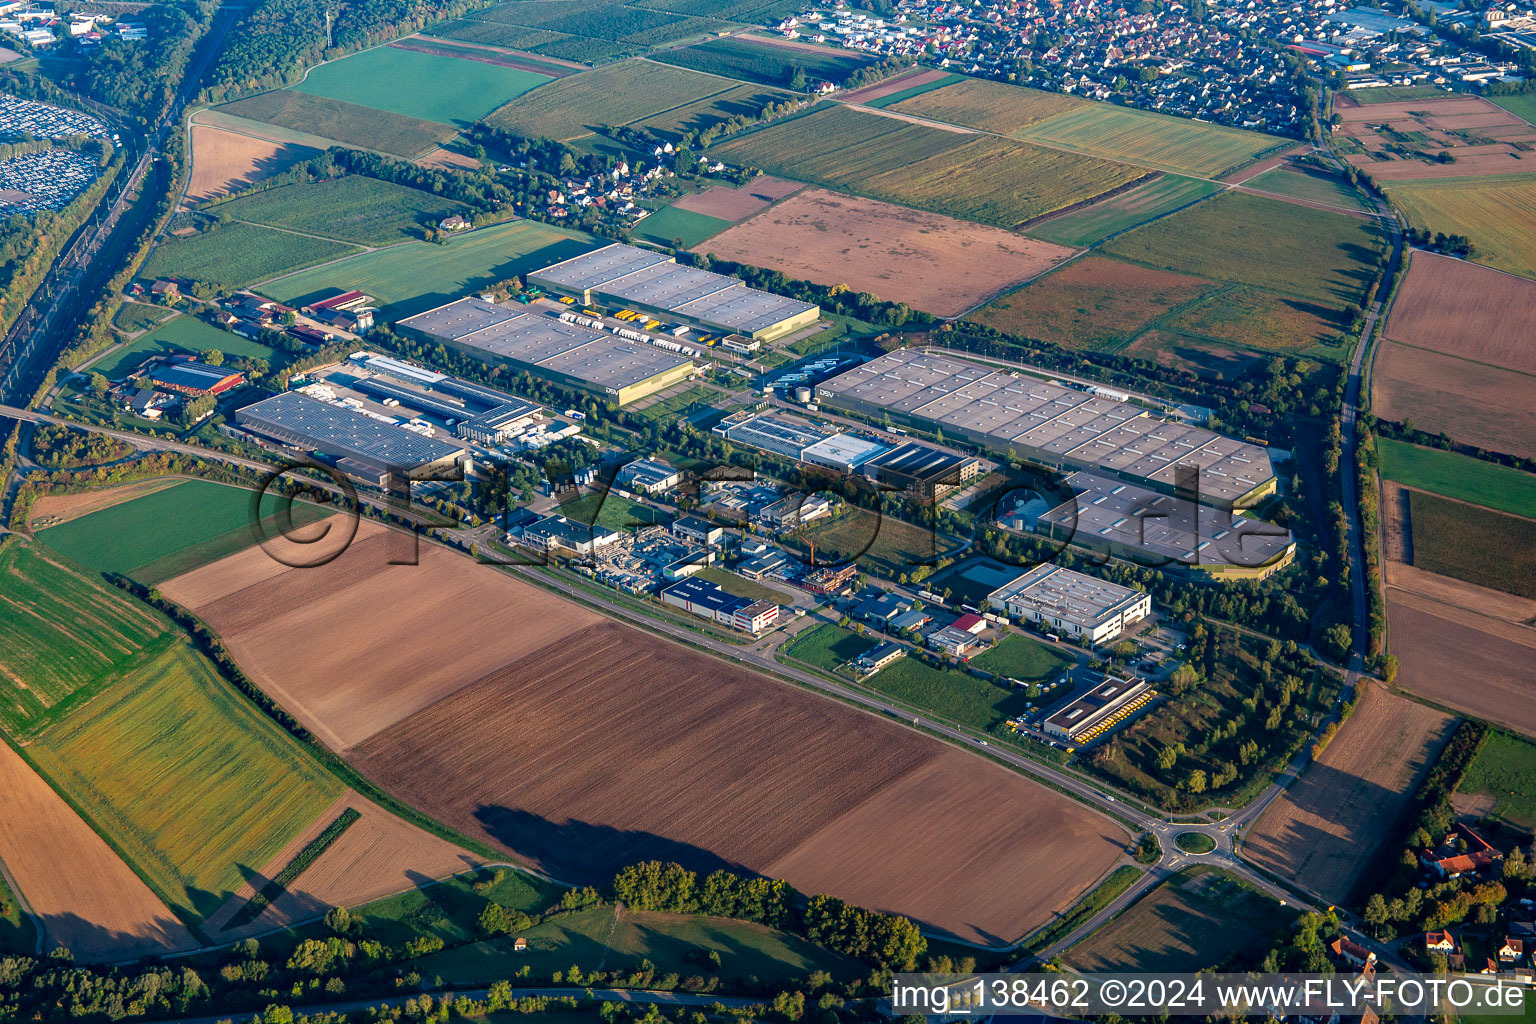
648,476
921,471
566,353
190,377
639,279
1051,424
1156,529
1071,603
363,447
1096,712
704,598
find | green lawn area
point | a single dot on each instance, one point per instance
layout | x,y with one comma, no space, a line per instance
185,334
318,119
63,636
416,276
353,208
670,223
167,532
425,86
1197,918
237,255
1247,239
612,511
138,316
1019,657
1521,104
1458,476
678,404
1505,769
1399,93
592,937
187,779
882,545
828,647
740,586
949,693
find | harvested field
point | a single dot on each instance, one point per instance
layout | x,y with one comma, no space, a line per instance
1498,214
987,105
1206,358
52,509
1149,139
741,202
1439,647
1472,403
515,744
449,160
87,898
1261,320
932,263
1461,309
377,856
1493,604
280,625
225,161
893,85
1327,826
1092,303
535,760
1197,917
1490,549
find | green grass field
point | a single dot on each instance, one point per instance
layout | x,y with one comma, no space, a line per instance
1122,212
346,123
612,511
882,545
593,937
366,211
1473,544
1311,186
626,29
1521,104
416,276
195,786
742,101
828,647
493,33
1399,93
424,86
616,94
1505,769
670,224
236,255
164,533
1198,918
915,90
984,104
184,334
1458,476
763,63
63,636
980,178
1020,657
138,316
1247,239
1153,140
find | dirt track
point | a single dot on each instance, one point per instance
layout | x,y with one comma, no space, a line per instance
89,900
1327,827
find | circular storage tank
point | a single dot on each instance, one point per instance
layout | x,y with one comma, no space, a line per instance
802,394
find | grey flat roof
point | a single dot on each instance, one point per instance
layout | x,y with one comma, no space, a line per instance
1068,595
775,432
550,343
1002,410
1110,510
459,319
600,266
744,309
298,419
667,285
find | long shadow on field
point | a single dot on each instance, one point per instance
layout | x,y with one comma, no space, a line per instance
94,943
579,851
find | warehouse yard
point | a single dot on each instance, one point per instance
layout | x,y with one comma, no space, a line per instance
510,695
1328,825
930,262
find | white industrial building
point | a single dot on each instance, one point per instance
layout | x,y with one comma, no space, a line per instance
1070,603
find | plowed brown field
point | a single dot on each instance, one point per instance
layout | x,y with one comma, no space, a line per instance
1327,826
322,642
1473,403
584,745
223,161
741,202
87,898
933,263
1461,309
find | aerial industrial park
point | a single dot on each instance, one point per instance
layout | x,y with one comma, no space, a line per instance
659,512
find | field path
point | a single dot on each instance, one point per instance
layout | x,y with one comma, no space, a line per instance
82,893
943,126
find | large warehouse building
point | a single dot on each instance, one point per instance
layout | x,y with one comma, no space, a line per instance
1099,710
1050,424
565,353
361,446
1071,603
639,279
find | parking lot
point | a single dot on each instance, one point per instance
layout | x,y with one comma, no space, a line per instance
44,181
44,120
